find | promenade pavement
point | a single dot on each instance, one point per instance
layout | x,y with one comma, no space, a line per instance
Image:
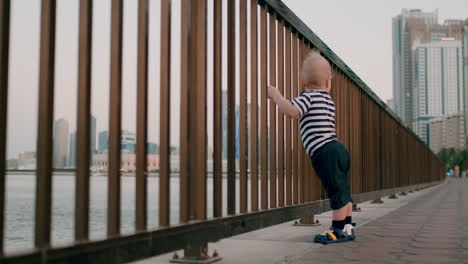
428,226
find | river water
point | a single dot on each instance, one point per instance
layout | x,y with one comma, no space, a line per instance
20,206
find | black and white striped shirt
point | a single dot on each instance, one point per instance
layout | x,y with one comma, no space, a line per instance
317,121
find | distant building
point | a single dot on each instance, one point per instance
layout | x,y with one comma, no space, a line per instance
127,142
12,164
27,161
152,148
103,141
438,83
72,152
465,73
410,28
93,135
128,163
447,132
61,137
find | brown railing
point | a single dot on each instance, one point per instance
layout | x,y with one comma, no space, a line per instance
386,156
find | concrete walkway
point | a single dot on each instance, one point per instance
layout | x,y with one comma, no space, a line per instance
422,227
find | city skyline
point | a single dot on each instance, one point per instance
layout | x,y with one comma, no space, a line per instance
22,112
412,28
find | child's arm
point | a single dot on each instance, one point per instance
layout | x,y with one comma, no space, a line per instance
284,106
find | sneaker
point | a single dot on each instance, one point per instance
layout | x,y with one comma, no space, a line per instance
331,236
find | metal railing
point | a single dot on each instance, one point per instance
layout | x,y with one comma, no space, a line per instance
386,156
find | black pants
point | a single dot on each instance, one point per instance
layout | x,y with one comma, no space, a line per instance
331,163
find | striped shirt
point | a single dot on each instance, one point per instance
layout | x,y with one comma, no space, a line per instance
317,121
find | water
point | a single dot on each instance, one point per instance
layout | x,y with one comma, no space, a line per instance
19,229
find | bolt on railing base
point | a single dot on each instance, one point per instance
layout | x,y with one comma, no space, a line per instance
377,201
411,191
196,255
307,221
393,196
356,208
403,193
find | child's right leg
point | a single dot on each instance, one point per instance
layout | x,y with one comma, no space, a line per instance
331,164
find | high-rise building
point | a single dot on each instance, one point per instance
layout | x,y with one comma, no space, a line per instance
72,151
438,83
93,135
447,132
60,143
410,28
103,141
465,73
127,142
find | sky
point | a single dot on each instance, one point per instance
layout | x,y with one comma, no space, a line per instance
358,31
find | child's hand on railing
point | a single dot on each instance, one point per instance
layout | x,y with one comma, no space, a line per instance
273,93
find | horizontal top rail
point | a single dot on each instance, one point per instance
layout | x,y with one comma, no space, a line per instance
283,12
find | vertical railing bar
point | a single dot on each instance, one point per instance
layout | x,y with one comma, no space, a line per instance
295,137
311,190
217,108
198,111
231,104
243,104
45,123
253,106
184,200
300,145
287,93
142,118
263,105
115,122
4,58
280,141
272,81
165,117
83,139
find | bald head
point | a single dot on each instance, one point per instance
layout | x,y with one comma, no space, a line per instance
316,72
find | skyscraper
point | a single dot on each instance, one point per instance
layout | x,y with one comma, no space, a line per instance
72,151
465,73
103,141
60,143
410,28
438,81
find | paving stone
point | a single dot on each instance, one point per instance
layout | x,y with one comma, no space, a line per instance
426,230
424,227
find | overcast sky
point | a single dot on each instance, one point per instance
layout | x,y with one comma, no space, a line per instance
359,31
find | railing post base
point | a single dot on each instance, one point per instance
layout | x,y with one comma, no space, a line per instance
403,193
393,196
356,208
378,201
307,221
196,255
